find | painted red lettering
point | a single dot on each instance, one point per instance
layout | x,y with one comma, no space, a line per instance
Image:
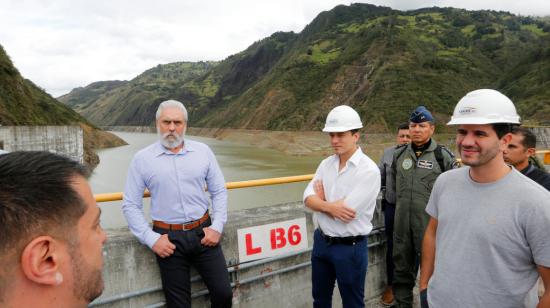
278,238
294,235
249,249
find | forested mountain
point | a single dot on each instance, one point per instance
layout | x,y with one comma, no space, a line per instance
381,61
134,102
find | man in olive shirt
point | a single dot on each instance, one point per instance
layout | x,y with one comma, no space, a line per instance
388,206
415,166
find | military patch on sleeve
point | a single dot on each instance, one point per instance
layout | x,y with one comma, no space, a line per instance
426,164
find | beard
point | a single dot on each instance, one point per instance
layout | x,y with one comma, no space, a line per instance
483,156
170,140
88,281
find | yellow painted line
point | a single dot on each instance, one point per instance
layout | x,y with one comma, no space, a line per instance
229,185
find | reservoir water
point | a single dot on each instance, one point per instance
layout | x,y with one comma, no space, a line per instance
238,163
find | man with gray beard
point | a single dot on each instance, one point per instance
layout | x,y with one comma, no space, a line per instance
175,170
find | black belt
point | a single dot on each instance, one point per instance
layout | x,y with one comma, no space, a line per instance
346,240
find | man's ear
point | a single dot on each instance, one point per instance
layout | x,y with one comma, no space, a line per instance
504,141
357,136
40,261
531,151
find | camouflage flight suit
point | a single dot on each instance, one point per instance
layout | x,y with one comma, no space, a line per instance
414,179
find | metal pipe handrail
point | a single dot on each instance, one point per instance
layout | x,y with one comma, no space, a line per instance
106,197
229,185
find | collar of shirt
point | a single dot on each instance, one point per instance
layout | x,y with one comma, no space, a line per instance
528,169
354,160
419,151
160,149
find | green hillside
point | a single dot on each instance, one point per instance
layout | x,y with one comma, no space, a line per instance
23,103
383,62
135,102
80,98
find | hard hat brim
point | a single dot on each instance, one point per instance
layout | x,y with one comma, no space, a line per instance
340,129
481,121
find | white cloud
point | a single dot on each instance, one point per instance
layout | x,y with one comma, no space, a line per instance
64,44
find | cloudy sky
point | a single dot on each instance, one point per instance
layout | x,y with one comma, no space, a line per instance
63,44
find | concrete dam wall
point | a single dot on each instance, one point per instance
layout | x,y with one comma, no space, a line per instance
132,278
65,140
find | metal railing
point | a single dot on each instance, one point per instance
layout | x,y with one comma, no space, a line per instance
233,271
106,197
229,185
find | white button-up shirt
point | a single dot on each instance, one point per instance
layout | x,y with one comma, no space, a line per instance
358,183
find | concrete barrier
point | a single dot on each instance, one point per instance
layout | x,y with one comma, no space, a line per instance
65,140
543,137
132,278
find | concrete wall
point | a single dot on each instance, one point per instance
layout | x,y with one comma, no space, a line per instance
543,137
131,267
66,140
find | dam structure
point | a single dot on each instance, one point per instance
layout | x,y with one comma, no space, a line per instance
132,277
64,140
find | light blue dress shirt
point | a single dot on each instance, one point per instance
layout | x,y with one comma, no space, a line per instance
177,183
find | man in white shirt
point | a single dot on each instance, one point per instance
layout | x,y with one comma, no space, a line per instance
343,197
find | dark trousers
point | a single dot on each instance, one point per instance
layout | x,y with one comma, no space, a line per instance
389,214
406,258
209,262
345,264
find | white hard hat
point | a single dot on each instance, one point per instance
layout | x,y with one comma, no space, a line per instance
484,106
342,119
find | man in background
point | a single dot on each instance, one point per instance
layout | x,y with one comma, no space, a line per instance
415,168
520,149
51,240
388,206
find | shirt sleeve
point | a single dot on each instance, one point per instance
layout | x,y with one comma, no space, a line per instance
382,167
393,174
309,191
132,206
432,207
216,187
365,190
536,232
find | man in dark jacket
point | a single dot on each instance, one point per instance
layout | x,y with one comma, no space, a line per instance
519,150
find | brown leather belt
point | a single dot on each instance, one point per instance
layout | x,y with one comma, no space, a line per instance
186,226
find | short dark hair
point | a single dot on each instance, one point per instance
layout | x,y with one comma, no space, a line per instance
36,197
502,129
402,126
353,131
529,138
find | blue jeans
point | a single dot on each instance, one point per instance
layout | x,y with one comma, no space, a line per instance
346,264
